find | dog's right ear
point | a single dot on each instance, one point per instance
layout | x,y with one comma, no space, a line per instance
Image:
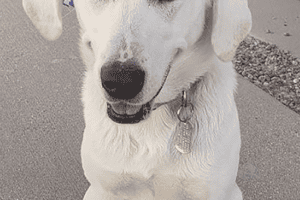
46,16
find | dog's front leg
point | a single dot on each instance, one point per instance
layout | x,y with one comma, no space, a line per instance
93,194
97,193
236,193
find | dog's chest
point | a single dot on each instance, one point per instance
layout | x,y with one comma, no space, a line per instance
157,187
150,176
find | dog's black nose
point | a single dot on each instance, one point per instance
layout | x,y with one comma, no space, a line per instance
122,80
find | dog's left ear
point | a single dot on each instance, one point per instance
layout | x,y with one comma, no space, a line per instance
231,24
46,16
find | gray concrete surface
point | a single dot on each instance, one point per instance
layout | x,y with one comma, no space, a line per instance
41,121
280,17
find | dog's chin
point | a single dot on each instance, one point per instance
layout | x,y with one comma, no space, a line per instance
142,113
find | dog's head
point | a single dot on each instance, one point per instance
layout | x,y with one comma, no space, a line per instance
143,53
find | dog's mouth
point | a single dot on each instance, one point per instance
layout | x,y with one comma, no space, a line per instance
128,114
124,113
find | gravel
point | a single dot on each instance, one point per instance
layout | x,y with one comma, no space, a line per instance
275,71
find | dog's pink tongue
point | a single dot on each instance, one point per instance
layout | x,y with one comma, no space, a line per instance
123,108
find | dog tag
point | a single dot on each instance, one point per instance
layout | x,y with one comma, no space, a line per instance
183,137
184,129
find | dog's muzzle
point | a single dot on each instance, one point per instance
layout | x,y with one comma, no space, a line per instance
123,81
139,112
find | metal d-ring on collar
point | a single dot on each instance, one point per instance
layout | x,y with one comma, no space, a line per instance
68,3
186,110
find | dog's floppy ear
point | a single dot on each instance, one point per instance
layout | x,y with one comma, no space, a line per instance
46,16
231,24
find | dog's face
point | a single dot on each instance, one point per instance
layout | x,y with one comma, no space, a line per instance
136,49
131,46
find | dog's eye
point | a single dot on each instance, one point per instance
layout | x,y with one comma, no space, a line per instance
162,1
165,1
89,44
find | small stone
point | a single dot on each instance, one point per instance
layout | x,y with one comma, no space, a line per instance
296,80
283,89
265,78
292,104
283,76
261,78
282,71
256,82
294,62
268,31
286,51
287,34
259,68
285,102
266,84
275,79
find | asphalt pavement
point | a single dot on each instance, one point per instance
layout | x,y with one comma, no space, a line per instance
41,121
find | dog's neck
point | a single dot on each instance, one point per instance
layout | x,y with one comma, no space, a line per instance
175,104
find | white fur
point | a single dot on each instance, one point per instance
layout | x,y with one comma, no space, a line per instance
198,38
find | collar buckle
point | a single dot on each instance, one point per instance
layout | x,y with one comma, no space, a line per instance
68,3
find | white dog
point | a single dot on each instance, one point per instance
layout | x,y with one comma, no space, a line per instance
158,94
